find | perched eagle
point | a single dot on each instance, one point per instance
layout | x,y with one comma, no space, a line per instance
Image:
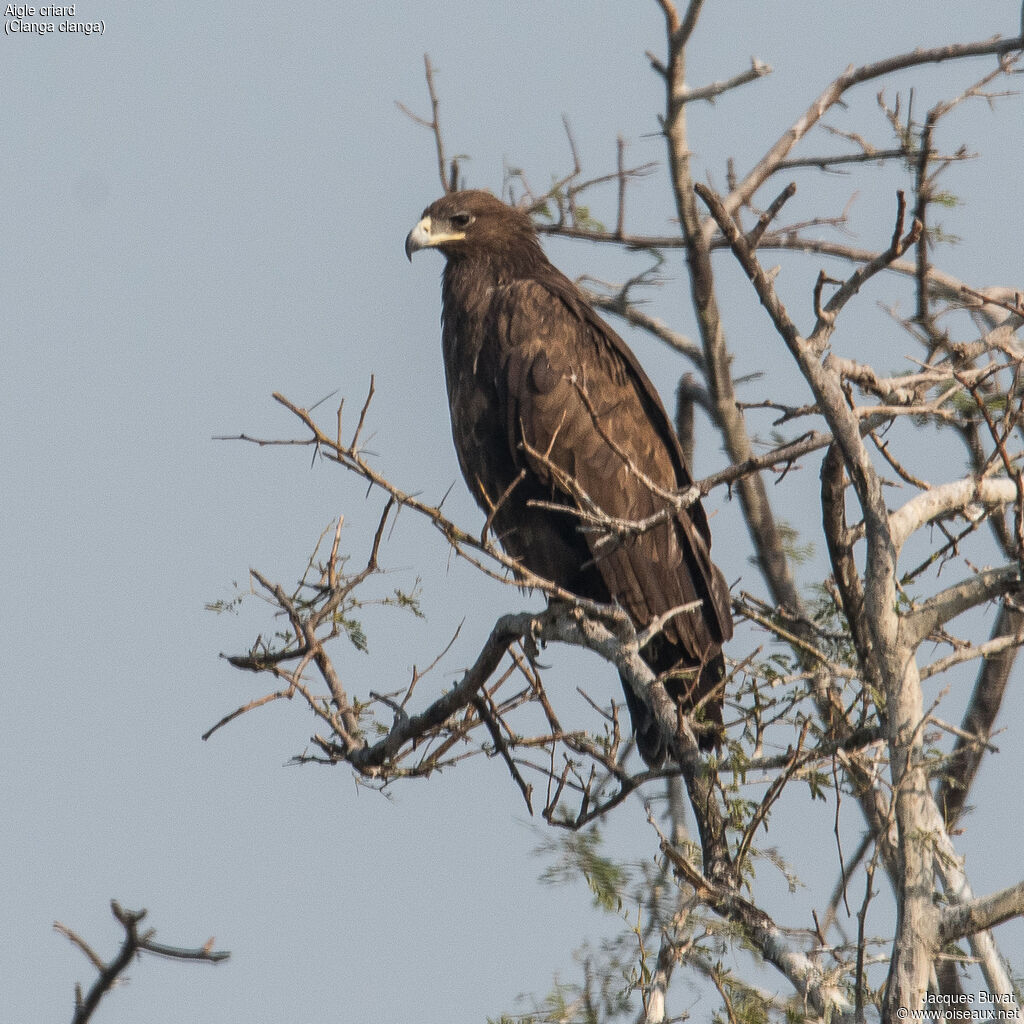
548,404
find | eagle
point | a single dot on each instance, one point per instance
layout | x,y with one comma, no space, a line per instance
551,410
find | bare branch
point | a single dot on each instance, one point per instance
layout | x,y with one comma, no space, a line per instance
986,700
943,499
507,630
982,913
449,176
939,609
754,234
710,92
899,245
770,162
134,943
621,306
869,155
1002,644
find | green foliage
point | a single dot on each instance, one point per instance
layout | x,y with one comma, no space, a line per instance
772,855
583,218
580,855
409,601
799,553
833,630
739,810
354,631
745,1005
937,236
995,403
227,604
564,1005
819,783
312,594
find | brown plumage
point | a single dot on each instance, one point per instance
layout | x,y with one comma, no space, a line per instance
547,402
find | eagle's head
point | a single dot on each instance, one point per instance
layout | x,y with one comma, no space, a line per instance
472,222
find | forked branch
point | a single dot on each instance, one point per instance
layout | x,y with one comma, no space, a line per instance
135,943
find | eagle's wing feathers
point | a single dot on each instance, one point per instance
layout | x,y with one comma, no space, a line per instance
579,416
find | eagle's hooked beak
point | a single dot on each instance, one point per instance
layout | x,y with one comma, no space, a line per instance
423,236
418,238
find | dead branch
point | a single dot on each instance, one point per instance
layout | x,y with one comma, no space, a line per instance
989,689
982,913
449,174
135,943
944,499
939,609
769,164
709,93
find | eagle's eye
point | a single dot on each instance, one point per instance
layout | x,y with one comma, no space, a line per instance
461,220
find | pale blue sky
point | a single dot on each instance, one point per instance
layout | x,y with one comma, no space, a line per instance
207,204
